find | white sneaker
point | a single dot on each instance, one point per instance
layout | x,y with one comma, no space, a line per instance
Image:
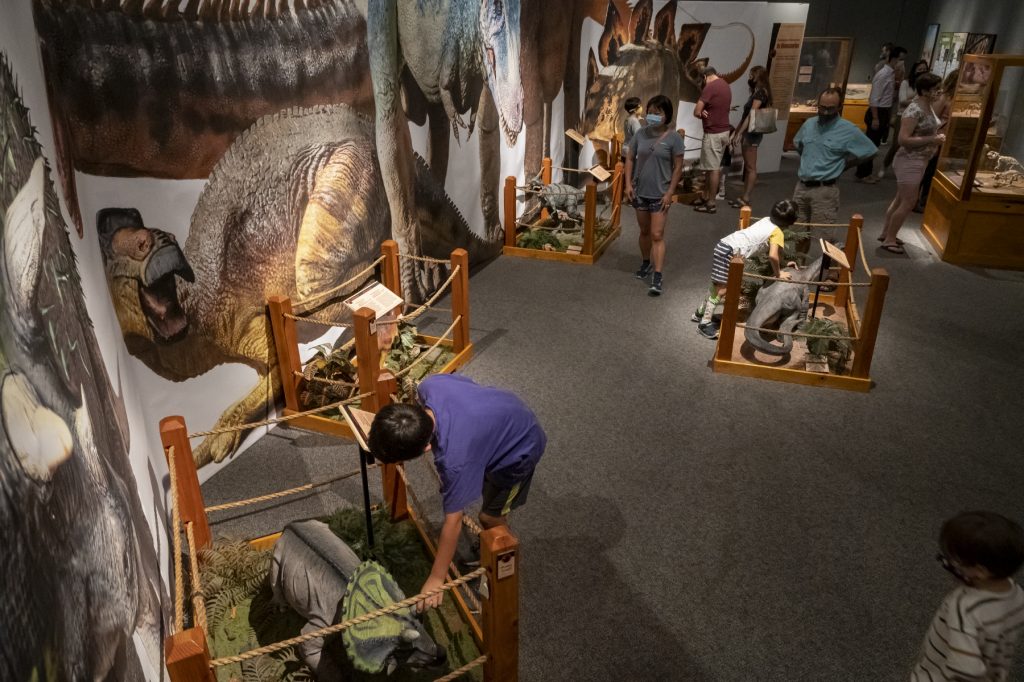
881,173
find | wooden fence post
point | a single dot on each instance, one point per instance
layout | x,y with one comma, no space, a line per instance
617,188
865,345
510,211
460,300
727,330
851,248
589,218
187,657
545,177
190,498
392,270
367,357
745,217
286,345
499,553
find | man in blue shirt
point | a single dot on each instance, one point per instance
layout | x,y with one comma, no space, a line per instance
828,145
485,441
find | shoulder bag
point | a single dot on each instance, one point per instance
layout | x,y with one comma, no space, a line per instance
763,120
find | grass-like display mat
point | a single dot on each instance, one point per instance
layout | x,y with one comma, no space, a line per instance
241,616
331,373
552,234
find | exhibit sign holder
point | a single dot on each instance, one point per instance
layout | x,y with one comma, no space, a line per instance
365,458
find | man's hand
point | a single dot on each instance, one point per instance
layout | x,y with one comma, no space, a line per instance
430,602
874,124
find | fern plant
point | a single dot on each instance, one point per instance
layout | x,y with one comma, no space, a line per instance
837,350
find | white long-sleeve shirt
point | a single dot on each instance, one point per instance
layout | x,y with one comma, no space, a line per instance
882,86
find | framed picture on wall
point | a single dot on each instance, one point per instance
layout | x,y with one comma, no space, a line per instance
931,34
948,52
980,43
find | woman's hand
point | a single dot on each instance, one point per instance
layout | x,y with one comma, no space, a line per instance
666,202
939,138
629,192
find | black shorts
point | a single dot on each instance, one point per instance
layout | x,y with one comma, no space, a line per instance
499,499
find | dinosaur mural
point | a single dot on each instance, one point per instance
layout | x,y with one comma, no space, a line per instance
472,65
78,567
161,88
654,61
782,302
318,219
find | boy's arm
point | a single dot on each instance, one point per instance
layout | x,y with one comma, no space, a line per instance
773,258
445,553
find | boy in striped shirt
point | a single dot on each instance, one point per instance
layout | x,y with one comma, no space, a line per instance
976,630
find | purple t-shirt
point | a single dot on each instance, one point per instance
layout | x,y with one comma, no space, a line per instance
479,431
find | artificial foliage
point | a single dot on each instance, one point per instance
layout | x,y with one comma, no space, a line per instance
241,615
837,350
759,264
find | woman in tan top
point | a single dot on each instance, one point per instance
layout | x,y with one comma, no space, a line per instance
918,139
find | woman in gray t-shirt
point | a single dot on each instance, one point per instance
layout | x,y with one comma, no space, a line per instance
918,137
654,165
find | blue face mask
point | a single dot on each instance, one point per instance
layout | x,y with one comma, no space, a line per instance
654,119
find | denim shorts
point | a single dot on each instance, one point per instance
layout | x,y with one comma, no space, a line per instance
752,139
645,204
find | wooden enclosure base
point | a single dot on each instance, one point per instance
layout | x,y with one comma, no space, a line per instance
790,368
585,259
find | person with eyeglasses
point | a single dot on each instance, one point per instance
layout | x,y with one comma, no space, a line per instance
976,630
828,145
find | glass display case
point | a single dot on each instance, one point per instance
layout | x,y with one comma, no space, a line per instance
976,205
824,62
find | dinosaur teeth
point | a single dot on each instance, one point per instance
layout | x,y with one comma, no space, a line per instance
206,11
132,7
152,9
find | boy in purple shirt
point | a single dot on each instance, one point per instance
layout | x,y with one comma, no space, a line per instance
485,441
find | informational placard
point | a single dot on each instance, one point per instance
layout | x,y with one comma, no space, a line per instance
835,253
575,136
506,565
785,61
385,306
599,172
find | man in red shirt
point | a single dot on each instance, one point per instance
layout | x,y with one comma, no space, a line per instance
713,111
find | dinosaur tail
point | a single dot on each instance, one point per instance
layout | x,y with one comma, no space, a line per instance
733,76
755,339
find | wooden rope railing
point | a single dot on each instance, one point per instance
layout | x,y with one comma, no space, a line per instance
429,302
313,319
423,356
322,380
346,624
425,259
179,569
459,672
418,508
466,520
768,330
198,602
753,275
278,420
863,256
347,283
284,493
822,226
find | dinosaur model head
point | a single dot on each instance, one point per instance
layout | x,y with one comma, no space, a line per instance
142,266
637,60
499,28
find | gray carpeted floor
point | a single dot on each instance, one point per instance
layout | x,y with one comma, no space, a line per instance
686,525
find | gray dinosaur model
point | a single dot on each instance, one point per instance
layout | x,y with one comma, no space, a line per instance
449,57
295,207
782,301
313,571
564,200
161,88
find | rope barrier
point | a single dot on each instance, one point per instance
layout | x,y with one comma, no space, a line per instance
548,228
350,281
344,625
815,225
198,603
796,333
802,281
423,356
283,493
322,380
278,420
179,570
313,319
863,256
418,508
425,259
429,302
459,672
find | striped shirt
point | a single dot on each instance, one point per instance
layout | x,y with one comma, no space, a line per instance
973,636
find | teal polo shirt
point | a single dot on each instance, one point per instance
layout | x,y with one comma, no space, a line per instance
824,149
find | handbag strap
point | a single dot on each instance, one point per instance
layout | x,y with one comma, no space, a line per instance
650,152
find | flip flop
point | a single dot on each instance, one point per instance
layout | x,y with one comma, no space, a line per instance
898,240
738,203
893,248
706,208
699,201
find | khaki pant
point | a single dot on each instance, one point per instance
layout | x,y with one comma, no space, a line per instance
816,205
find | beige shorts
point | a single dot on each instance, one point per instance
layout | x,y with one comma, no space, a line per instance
712,148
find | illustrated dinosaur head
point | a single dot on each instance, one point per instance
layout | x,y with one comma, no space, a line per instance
499,27
142,266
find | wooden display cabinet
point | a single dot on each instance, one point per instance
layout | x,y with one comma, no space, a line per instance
824,62
975,211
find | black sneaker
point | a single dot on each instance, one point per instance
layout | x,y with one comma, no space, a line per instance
644,271
709,330
655,289
697,315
